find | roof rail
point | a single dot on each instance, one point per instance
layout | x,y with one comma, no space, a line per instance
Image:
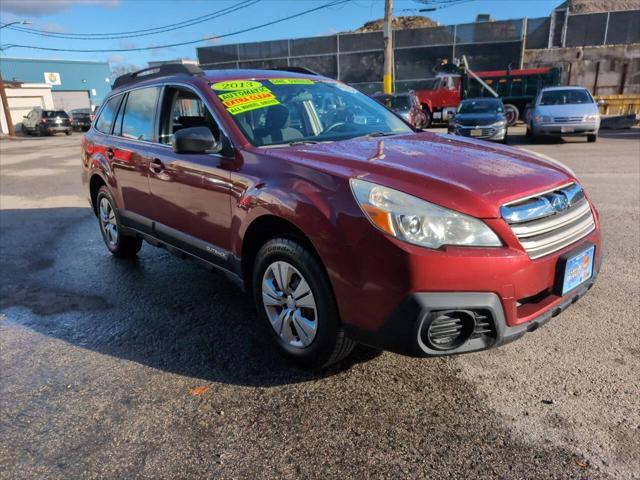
296,70
153,72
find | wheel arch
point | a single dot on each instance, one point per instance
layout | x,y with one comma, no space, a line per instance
95,183
265,228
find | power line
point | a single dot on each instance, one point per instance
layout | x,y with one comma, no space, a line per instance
140,33
180,44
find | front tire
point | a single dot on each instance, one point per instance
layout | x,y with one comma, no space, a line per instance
296,305
592,138
119,244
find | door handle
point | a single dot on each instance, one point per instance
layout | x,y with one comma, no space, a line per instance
109,151
156,166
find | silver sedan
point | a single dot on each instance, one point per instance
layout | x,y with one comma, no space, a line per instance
564,111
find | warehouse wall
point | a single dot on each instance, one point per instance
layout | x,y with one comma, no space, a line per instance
605,70
22,99
74,75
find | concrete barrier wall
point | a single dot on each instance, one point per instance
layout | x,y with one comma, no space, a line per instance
605,70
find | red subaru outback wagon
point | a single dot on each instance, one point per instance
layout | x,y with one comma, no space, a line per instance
344,223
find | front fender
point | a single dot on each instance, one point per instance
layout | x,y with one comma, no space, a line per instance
325,213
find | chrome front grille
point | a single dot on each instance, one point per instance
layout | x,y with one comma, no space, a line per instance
567,119
551,220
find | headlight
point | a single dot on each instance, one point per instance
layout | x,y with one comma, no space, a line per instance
419,222
590,118
542,119
500,124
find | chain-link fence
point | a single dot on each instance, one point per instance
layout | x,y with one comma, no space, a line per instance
592,29
357,58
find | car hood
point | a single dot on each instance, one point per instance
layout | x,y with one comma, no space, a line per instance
470,119
567,110
466,175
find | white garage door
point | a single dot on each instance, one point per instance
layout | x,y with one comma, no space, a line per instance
21,106
70,99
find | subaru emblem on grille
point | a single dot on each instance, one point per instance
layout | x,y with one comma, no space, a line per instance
559,201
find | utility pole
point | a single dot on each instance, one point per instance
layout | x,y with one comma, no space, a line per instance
5,107
3,93
387,30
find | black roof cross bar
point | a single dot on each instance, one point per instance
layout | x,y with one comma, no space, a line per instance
153,72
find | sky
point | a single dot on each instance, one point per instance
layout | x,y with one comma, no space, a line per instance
116,16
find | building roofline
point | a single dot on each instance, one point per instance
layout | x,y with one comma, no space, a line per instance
30,59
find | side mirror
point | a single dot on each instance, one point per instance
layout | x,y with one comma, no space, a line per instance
25,116
195,140
601,102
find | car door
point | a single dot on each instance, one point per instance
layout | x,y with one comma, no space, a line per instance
28,121
191,192
128,150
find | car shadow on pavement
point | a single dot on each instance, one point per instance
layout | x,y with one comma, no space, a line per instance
155,310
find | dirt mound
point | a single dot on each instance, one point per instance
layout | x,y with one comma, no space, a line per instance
591,6
399,23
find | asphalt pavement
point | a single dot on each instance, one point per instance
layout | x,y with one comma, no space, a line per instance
155,368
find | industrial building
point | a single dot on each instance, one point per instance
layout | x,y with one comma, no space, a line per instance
69,84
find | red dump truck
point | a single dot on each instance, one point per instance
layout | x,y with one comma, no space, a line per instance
517,88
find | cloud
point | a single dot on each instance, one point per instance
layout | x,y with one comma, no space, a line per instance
126,44
53,28
156,51
40,8
212,39
116,58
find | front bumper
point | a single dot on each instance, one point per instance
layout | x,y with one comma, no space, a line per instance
486,133
395,290
566,129
404,331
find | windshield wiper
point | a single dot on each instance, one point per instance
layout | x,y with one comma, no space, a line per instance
380,134
303,142
376,134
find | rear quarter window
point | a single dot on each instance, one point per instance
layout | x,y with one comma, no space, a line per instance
105,120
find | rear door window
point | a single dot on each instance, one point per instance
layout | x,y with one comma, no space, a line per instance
105,120
139,114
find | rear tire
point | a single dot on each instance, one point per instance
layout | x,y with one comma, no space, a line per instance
296,305
512,114
118,243
428,118
592,138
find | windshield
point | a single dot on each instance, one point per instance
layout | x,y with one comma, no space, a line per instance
54,113
574,96
288,110
402,102
480,106
431,84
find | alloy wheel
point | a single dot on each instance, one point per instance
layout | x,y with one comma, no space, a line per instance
290,304
108,222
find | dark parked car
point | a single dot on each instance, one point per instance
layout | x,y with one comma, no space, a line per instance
46,122
480,118
81,119
352,228
406,105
